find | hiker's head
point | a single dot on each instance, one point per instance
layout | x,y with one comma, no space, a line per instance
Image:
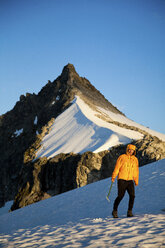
131,149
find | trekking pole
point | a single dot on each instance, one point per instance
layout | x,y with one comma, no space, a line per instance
107,197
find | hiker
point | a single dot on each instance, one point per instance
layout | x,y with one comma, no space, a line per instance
127,169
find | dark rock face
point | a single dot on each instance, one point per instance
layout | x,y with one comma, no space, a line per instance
47,177
44,178
22,129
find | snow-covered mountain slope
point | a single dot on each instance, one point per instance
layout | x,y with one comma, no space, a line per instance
82,217
123,119
79,129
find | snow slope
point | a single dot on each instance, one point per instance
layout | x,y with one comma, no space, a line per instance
6,208
125,120
82,217
78,130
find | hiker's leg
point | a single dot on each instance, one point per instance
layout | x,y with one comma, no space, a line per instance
131,192
121,192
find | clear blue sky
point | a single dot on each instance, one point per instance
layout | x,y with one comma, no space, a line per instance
118,45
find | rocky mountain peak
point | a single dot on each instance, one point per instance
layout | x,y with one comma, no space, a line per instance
67,72
69,68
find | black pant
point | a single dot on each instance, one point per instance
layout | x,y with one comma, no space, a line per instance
124,186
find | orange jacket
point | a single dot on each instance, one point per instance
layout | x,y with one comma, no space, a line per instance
127,167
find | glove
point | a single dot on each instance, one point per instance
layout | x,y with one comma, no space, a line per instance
112,179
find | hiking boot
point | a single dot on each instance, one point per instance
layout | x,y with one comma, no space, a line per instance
114,214
129,213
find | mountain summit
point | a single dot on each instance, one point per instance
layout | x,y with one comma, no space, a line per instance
67,70
81,86
66,136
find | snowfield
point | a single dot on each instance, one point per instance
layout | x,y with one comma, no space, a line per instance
78,130
82,217
125,120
